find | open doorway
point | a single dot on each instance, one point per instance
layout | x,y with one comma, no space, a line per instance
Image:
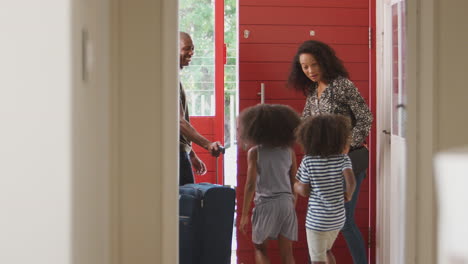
211,84
269,33
200,20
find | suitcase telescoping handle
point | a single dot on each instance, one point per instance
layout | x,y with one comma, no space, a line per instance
222,150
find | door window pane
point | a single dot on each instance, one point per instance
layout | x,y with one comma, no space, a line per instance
398,69
196,17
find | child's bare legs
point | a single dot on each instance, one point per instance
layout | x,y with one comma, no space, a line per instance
319,244
261,254
330,257
286,251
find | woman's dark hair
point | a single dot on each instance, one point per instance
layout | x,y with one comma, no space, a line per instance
324,135
269,125
330,65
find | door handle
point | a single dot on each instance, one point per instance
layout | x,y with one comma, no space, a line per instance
388,133
403,106
262,93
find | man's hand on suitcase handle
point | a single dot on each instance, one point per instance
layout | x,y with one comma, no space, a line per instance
222,150
215,148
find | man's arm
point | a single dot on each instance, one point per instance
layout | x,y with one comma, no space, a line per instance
191,134
197,163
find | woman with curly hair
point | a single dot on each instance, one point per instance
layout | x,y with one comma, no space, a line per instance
322,77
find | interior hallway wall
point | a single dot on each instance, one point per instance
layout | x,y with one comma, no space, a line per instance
436,110
452,86
54,135
145,67
35,132
87,160
90,99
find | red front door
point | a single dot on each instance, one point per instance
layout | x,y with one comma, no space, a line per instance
205,81
269,33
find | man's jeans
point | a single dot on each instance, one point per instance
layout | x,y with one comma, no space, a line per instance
185,169
350,230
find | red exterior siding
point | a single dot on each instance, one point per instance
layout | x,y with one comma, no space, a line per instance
205,125
277,27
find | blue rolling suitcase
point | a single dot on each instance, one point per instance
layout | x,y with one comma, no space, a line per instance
206,222
189,210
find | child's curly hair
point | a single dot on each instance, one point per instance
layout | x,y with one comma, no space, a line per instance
271,125
324,135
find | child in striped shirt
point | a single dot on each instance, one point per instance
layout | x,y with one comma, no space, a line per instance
321,176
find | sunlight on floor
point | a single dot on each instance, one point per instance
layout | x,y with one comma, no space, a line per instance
230,178
234,244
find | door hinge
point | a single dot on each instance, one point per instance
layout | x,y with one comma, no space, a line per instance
370,38
369,237
225,54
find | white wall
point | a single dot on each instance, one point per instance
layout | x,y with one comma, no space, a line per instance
451,167
88,168
35,132
437,110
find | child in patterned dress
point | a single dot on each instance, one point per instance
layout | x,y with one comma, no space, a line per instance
270,131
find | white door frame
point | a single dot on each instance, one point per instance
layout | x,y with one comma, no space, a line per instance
144,131
422,72
383,146
419,239
391,147
421,83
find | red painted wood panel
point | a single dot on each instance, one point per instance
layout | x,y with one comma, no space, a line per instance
203,124
219,79
276,28
365,184
278,90
274,90
209,161
297,105
309,3
372,137
245,256
278,71
286,52
278,15
280,34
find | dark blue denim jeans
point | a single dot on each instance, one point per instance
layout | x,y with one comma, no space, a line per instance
350,230
185,169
